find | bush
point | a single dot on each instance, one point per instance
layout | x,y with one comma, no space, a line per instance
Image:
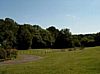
3,53
82,47
70,49
8,54
13,53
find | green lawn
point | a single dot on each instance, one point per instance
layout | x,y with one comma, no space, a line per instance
85,61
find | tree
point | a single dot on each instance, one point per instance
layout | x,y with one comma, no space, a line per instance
97,39
37,42
76,41
14,35
54,34
64,39
46,37
24,38
41,38
8,30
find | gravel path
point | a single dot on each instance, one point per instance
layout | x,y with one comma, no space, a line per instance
24,59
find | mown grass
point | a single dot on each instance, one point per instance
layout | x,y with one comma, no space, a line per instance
85,61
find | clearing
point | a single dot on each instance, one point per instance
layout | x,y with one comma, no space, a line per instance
86,61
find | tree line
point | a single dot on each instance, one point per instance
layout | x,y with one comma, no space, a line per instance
27,36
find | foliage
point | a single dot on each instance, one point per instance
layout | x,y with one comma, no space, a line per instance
8,30
3,53
22,37
6,54
64,39
97,39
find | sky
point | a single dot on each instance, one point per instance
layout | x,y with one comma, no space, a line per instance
80,16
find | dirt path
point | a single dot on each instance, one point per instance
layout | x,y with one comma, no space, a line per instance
24,59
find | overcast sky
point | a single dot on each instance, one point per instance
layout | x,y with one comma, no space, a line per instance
80,16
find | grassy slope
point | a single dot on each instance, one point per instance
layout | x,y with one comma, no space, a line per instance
85,61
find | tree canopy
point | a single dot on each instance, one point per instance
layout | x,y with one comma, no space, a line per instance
26,36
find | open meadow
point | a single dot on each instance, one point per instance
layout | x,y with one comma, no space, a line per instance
86,61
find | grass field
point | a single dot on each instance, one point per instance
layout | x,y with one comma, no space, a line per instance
85,61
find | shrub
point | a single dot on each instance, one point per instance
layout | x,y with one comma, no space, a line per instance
3,53
70,49
13,53
7,54
82,47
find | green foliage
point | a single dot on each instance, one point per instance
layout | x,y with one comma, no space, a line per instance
46,37
37,42
82,47
24,38
13,35
54,34
97,39
41,38
3,53
6,54
64,39
11,53
8,30
86,40
75,41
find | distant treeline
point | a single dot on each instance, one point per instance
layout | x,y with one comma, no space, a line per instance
27,36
